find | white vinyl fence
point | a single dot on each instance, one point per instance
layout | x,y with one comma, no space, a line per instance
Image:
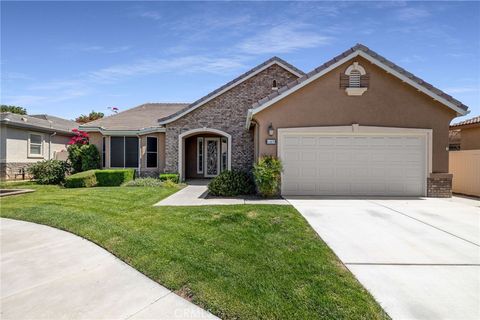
465,167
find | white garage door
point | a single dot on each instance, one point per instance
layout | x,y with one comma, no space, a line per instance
353,164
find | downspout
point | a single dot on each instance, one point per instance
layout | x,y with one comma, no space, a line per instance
50,145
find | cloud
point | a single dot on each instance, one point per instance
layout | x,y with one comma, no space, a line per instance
411,14
94,48
413,58
150,14
467,89
282,39
6,76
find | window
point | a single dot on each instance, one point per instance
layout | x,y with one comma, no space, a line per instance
274,85
104,147
35,145
200,155
152,152
354,79
124,152
224,154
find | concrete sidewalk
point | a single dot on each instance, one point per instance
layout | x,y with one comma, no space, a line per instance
196,195
47,273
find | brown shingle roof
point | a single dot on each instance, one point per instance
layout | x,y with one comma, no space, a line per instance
144,116
471,121
200,101
361,47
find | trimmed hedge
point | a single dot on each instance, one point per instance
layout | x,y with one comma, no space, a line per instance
174,177
49,171
231,183
84,179
114,177
100,178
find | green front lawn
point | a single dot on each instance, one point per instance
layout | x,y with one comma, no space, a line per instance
239,262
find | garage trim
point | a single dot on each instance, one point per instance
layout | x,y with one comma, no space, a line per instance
364,130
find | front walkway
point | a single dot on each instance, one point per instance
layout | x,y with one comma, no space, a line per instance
47,273
195,194
419,257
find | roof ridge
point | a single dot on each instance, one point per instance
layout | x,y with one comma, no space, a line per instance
239,79
373,54
472,120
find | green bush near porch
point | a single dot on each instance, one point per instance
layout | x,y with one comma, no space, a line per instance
231,183
174,177
100,178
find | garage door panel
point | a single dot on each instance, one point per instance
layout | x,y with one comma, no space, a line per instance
353,165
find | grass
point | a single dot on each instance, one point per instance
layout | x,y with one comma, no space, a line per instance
239,262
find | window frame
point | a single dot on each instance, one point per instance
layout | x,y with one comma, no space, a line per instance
29,144
200,149
147,152
124,152
104,151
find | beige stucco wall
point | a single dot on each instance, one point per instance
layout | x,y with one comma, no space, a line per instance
15,147
470,138
96,139
388,102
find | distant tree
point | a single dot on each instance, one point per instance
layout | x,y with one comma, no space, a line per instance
90,117
13,109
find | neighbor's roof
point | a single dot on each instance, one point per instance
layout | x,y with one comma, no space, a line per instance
372,56
144,116
38,122
472,121
233,83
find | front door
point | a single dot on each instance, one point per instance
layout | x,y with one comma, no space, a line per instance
212,157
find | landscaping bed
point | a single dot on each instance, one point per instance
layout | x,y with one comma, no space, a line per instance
239,262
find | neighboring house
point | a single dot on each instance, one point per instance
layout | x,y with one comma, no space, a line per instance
465,135
356,125
464,160
26,139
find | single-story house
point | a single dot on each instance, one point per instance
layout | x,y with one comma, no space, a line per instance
465,135
356,125
26,139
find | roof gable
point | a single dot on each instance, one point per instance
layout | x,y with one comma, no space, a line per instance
212,95
38,122
374,58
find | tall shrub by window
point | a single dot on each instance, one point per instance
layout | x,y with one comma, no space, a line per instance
267,176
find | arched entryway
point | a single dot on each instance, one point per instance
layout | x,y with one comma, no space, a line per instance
203,153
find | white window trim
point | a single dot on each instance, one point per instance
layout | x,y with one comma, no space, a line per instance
200,149
32,155
147,152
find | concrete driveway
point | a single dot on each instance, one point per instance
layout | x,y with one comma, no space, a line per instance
420,258
47,273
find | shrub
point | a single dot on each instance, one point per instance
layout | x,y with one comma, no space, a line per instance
81,180
114,177
231,183
174,177
144,182
267,176
83,157
90,157
49,171
169,184
75,157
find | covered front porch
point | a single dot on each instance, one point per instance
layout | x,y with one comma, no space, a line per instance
203,153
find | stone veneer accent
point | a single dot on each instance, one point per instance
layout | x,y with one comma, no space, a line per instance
228,112
8,170
439,185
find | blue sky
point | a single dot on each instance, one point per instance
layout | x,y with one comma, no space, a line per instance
68,58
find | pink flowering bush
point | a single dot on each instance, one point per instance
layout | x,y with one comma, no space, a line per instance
80,137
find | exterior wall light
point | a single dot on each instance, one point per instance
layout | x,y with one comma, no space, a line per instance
270,130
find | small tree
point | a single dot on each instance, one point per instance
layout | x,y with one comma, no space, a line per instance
267,175
13,109
81,154
90,117
90,157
